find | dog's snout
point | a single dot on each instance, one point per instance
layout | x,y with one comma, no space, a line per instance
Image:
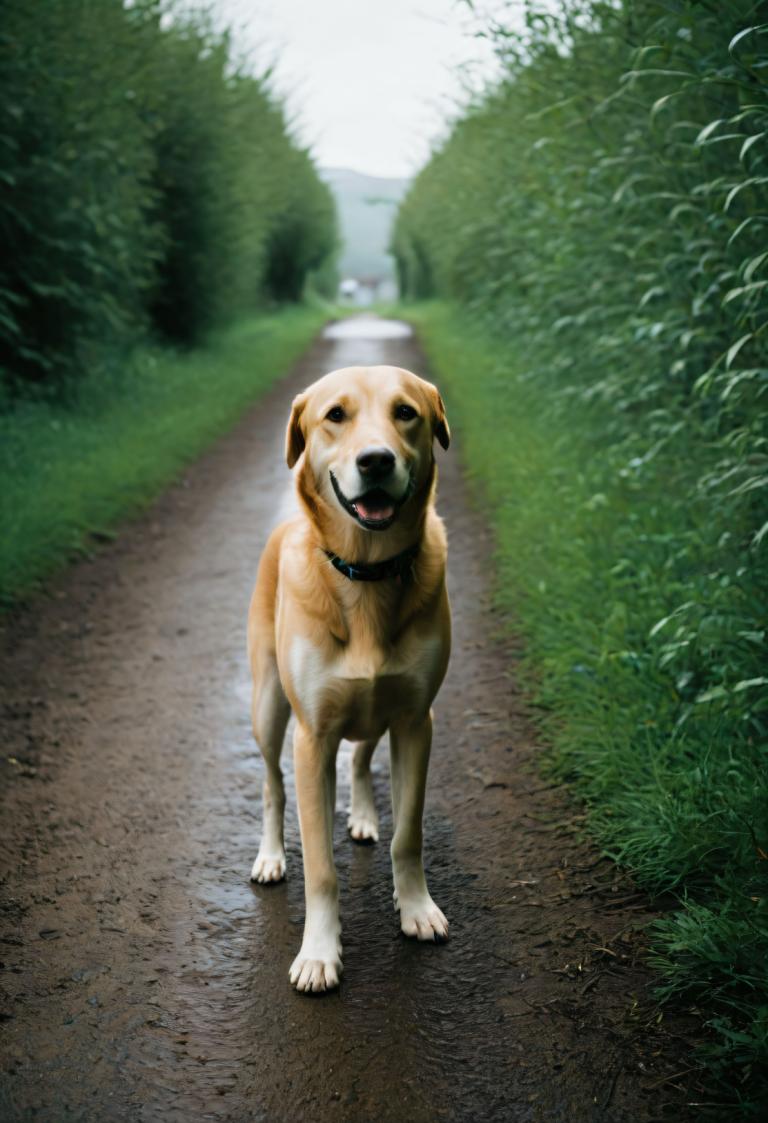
375,463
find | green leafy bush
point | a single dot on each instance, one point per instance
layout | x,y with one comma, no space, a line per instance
602,214
148,181
247,218
79,247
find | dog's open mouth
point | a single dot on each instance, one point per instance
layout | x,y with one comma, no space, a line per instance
375,506
374,509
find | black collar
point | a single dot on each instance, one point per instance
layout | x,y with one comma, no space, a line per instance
398,566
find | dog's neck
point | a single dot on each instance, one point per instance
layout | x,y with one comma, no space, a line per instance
398,567
358,547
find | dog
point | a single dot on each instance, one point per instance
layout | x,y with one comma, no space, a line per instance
349,627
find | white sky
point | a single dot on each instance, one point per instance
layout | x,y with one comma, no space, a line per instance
369,83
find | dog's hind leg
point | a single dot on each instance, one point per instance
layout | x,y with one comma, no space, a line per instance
270,712
362,821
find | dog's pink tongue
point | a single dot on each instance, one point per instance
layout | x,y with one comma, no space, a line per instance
374,513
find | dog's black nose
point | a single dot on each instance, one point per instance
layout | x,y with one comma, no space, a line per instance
375,463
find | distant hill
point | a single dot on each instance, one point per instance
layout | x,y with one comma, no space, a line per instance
367,206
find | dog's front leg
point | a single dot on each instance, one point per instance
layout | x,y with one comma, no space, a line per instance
410,744
318,965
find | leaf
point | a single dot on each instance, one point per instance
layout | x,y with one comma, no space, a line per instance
752,484
753,265
666,619
711,695
741,228
732,294
748,144
708,130
748,683
662,73
753,181
651,294
660,102
704,381
749,374
735,348
742,34
683,208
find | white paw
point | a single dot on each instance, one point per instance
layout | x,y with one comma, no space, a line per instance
422,919
363,826
308,974
268,867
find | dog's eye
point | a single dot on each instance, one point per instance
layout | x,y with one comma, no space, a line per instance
405,413
335,414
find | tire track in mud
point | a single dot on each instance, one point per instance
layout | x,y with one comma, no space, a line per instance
144,977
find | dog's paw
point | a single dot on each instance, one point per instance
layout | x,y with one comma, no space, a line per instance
423,920
363,826
315,975
268,868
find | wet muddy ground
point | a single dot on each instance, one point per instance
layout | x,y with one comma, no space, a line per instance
143,976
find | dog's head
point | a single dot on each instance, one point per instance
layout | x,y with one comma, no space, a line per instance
366,434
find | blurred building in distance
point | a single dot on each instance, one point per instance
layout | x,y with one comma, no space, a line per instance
366,206
363,291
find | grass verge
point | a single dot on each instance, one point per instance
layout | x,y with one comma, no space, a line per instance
593,564
71,473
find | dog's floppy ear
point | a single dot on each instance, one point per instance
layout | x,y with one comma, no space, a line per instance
294,437
442,432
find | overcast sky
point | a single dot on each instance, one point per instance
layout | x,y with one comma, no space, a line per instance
371,82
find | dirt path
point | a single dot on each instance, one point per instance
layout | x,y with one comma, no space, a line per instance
144,978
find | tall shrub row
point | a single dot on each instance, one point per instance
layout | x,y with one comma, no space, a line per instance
603,209
148,182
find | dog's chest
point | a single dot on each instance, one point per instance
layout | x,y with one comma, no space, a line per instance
362,689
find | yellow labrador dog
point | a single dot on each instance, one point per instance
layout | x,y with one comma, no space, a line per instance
349,627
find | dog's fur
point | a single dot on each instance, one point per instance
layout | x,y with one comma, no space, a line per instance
352,659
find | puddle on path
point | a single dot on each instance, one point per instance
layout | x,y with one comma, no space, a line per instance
367,327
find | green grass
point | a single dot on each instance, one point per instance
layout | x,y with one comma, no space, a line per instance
594,561
69,473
